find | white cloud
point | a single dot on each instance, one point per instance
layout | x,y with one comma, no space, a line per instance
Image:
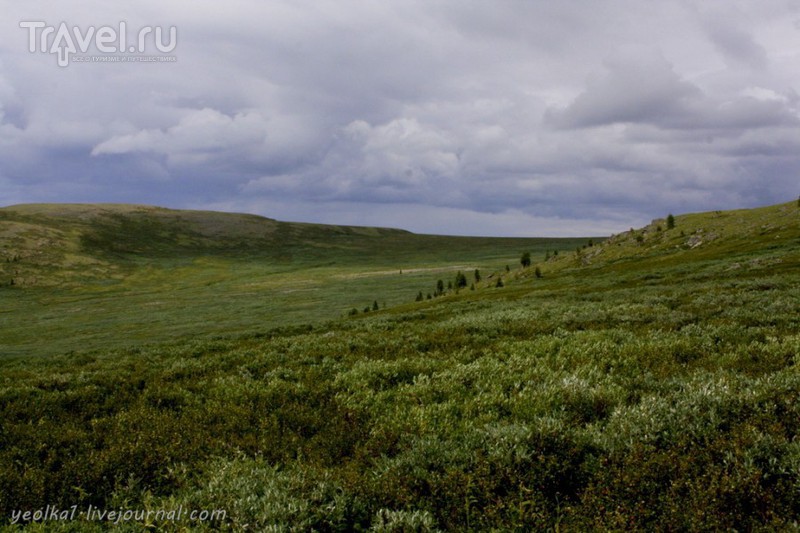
199,131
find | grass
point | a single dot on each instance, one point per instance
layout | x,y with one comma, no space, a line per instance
639,384
105,276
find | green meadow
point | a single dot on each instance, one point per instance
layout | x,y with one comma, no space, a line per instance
159,360
94,277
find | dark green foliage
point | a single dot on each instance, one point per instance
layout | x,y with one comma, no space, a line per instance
538,272
670,221
461,280
525,260
353,312
508,268
375,305
420,297
590,243
499,282
477,275
593,410
439,288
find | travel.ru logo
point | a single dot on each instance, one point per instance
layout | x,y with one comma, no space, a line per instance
65,40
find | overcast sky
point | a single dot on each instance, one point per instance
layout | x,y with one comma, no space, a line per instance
518,118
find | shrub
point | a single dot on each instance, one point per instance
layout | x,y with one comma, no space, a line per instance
525,260
670,221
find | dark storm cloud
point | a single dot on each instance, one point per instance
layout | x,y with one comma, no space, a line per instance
735,44
649,91
508,117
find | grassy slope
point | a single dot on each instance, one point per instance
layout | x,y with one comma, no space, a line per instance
648,385
119,275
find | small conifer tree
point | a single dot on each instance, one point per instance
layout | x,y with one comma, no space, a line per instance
477,276
670,221
525,260
499,282
538,272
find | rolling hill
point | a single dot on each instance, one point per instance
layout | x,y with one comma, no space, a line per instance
54,244
57,241
99,275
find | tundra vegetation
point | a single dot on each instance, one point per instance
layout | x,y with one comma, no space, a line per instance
647,382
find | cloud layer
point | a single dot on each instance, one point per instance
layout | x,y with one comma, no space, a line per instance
505,118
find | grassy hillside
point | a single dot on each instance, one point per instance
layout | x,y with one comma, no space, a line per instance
646,384
714,236
103,276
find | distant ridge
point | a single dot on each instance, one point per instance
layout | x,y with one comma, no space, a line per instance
53,244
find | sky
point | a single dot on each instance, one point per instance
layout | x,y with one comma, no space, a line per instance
501,117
